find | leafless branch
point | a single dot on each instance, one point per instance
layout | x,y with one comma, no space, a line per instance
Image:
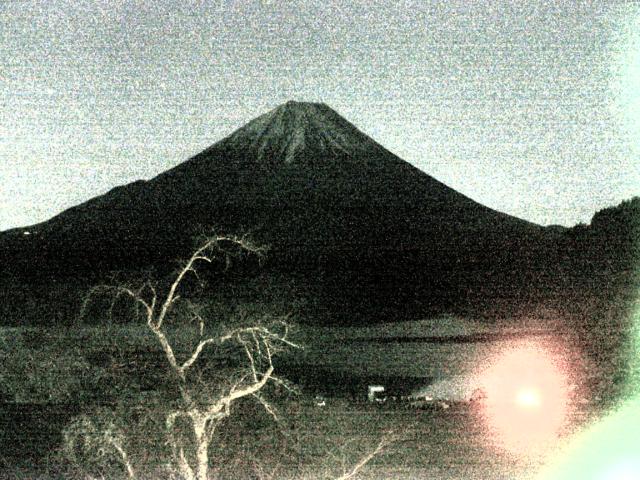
366,459
270,409
196,353
249,355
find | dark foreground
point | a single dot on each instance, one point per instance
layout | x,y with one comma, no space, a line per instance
52,376
312,442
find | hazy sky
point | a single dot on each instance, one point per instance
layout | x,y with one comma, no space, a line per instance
532,108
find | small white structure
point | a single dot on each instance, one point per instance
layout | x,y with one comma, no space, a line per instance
375,393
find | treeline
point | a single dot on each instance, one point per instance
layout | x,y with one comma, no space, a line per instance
600,277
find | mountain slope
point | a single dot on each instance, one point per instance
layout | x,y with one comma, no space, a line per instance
325,196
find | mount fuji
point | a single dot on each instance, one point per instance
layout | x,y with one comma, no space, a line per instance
338,210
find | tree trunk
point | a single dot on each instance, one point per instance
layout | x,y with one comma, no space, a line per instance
202,448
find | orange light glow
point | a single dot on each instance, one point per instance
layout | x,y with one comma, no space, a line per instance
526,397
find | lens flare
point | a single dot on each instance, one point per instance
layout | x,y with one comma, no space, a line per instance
623,470
526,397
607,450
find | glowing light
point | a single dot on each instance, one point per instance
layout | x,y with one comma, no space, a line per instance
608,450
527,397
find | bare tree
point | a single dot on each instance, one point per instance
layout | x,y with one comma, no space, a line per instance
200,409
259,343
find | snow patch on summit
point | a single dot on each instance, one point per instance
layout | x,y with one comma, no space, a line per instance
298,128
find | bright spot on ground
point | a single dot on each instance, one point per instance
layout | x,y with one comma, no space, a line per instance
527,397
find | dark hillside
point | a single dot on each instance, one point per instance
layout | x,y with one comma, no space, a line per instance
368,232
599,295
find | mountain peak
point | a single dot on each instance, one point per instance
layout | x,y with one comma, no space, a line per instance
296,129
294,105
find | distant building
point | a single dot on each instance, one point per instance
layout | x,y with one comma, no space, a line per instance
375,393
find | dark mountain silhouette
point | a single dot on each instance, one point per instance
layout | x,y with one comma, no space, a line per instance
343,216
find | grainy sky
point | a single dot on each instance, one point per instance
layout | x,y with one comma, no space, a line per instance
530,107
